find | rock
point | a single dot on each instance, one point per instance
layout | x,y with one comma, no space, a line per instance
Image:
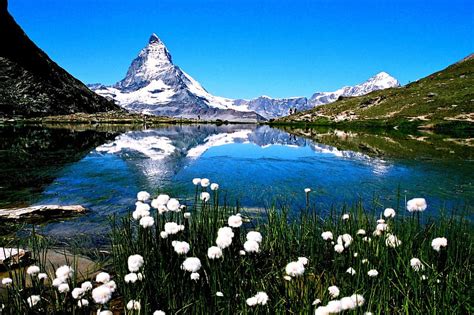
431,94
42,211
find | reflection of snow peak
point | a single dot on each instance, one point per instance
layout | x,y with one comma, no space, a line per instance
218,140
156,148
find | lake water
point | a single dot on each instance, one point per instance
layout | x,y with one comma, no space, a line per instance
103,167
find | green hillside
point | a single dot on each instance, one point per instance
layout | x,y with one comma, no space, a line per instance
442,99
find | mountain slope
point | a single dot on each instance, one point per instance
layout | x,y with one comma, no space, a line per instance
154,85
444,96
31,84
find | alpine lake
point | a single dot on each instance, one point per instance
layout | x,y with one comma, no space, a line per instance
102,167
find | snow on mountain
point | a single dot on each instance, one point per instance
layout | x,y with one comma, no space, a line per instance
154,85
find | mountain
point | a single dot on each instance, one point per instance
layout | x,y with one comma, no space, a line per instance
444,98
154,85
31,84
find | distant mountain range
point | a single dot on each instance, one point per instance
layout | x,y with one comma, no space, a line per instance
31,84
154,85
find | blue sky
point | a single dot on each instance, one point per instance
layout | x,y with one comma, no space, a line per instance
247,48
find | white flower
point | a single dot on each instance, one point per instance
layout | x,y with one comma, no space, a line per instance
162,199
360,232
143,196
339,248
191,264
358,299
307,190
102,277
303,260
205,196
345,216
389,213
64,273
423,277
392,241
131,277
160,312
356,254
196,181
223,241
333,291
181,248
86,286
33,300
295,269
77,293
133,305
42,276
287,278
205,182
372,273
316,302
368,313
366,239
381,227
63,288
187,215
327,235
172,228
439,242
251,247
347,303
214,252
147,222
416,205
141,210
111,285
57,282
251,301
365,261
195,276
173,205
214,186
140,276
235,221
334,306
82,303
380,221
226,232
33,270
262,298
135,262
102,294
347,239
351,271
254,236
416,264
242,253
322,310
219,293
105,312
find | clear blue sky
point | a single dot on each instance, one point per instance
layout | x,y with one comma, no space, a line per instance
246,48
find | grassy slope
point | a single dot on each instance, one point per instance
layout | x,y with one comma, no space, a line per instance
439,99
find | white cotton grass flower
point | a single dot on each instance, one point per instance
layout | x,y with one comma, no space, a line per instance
214,252
254,236
161,200
358,299
102,277
111,285
135,262
57,282
361,232
225,232
389,213
372,273
261,298
242,253
196,181
347,303
64,272
143,196
181,248
162,209
102,294
295,269
187,215
42,276
195,276
63,288
356,254
316,302
251,247
131,277
77,293
303,260
173,205
307,190
219,294
416,264
214,186
338,248
439,242
172,228
327,235
82,303
351,271
287,278
205,182
86,286
191,264
133,305
33,300
141,210
223,241
416,205
159,313
234,221
346,239
345,216
380,221
381,227
163,234
392,241
333,291
334,306
33,270
205,196
364,261
147,222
